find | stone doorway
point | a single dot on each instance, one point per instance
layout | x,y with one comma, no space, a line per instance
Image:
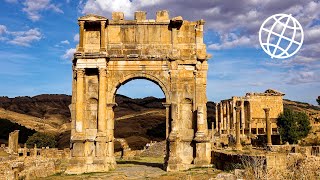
111,52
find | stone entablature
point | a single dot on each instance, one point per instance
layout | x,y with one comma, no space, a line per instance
141,39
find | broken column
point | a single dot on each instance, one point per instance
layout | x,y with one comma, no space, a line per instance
268,126
13,142
238,143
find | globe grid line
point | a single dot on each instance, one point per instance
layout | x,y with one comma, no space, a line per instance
283,37
296,28
268,39
279,40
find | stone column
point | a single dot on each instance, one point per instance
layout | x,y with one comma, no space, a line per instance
79,103
217,120
242,116
25,150
269,141
102,124
103,36
221,116
225,117
257,128
238,143
167,106
200,122
250,118
81,36
234,116
228,117
35,150
110,132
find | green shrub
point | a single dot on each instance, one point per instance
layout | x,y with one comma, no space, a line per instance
42,140
293,126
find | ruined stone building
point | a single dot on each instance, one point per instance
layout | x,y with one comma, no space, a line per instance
252,114
111,52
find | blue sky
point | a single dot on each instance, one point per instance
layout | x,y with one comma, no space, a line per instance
38,37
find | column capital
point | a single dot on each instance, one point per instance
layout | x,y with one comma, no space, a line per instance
111,105
81,23
103,72
266,110
166,104
238,108
103,23
80,72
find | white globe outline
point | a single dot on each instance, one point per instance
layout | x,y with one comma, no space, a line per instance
277,19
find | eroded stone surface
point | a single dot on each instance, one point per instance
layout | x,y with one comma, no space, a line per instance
111,52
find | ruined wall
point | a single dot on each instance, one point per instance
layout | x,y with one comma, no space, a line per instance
275,103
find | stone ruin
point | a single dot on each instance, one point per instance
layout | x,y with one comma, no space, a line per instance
13,142
30,163
167,51
255,113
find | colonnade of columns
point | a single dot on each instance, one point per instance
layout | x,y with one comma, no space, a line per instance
230,119
226,117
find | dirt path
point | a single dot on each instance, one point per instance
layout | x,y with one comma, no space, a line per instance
147,168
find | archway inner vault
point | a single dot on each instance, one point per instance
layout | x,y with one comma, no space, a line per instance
168,52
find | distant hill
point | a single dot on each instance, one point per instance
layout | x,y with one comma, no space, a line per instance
137,120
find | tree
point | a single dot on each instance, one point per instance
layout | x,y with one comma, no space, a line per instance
293,125
318,100
41,140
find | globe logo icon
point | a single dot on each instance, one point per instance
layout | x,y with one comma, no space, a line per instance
281,36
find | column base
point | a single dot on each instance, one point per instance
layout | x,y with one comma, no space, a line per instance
238,147
203,154
79,165
174,165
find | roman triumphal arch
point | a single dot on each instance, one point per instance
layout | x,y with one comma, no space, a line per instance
111,52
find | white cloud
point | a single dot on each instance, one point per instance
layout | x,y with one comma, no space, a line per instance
65,42
21,38
303,76
25,38
3,29
34,7
68,54
230,41
76,38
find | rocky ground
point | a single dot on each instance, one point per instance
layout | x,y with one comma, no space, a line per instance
144,168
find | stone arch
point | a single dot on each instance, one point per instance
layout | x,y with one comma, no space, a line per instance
163,86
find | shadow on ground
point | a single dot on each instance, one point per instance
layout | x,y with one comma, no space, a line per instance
151,164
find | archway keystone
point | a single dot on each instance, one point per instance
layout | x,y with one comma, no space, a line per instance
111,52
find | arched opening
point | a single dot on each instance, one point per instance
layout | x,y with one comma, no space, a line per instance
140,120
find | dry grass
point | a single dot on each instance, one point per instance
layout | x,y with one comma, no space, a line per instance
298,167
3,154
